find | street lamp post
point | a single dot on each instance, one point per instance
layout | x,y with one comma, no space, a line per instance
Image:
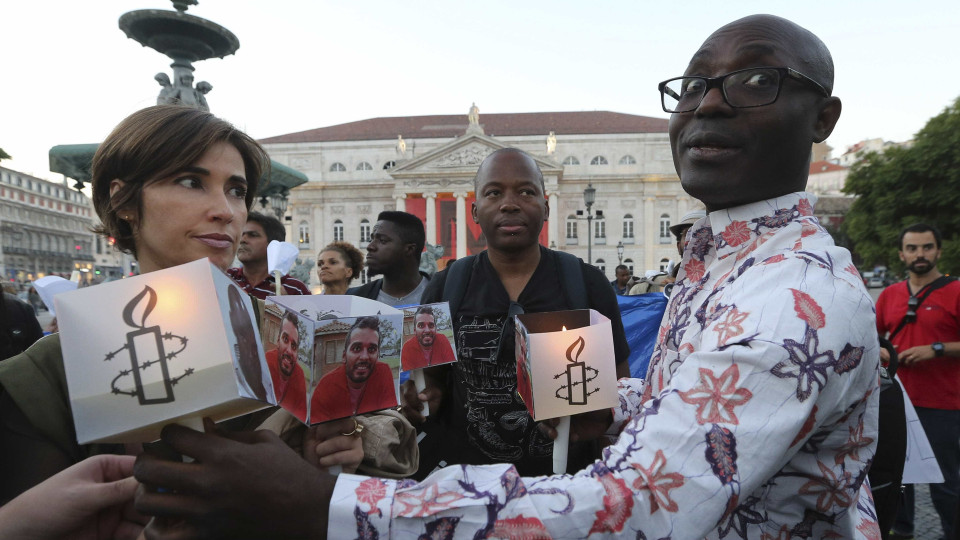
589,197
279,203
620,252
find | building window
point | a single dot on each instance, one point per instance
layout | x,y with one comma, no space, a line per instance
364,166
364,232
598,160
337,167
628,226
665,229
629,264
304,234
571,161
364,278
389,165
338,231
599,228
571,226
664,264
601,265
628,160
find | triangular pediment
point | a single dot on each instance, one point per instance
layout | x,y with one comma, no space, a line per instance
461,157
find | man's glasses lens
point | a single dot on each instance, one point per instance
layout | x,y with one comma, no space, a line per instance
745,88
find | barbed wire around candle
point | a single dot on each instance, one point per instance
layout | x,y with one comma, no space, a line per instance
145,346
578,374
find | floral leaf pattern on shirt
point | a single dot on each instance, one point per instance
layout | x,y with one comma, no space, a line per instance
731,327
371,491
830,489
736,233
854,444
365,530
849,358
440,529
659,483
694,269
617,505
739,517
804,207
779,219
721,453
424,502
521,527
808,309
805,364
716,397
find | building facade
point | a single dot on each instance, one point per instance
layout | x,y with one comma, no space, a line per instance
45,229
426,164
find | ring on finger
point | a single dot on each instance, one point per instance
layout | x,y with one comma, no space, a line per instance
357,429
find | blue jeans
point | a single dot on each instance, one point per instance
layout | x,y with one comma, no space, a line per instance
943,431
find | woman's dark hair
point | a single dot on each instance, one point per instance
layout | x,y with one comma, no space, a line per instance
156,143
352,256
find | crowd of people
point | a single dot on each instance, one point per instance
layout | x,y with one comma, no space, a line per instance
757,417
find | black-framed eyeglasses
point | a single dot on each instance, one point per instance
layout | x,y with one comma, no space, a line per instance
912,304
742,89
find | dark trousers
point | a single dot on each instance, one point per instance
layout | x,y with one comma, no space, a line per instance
943,431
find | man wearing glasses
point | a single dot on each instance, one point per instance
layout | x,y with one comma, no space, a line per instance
758,417
921,317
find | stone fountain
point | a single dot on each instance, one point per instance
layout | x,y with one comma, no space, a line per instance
185,39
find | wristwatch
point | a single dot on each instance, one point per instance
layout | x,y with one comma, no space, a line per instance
937,349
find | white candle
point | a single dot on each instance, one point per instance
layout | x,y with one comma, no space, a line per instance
420,383
560,446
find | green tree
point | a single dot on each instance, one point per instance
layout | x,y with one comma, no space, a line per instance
902,186
3,155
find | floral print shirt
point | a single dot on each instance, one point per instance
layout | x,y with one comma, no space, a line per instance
758,417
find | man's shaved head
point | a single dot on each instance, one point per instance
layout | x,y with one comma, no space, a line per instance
482,171
810,56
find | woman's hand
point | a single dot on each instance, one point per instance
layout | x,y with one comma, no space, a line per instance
328,444
91,500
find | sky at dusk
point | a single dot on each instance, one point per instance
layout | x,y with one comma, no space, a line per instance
70,74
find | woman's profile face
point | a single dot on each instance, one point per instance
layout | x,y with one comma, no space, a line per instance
196,213
331,268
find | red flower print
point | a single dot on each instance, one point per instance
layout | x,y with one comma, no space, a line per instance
659,483
730,327
694,269
371,491
617,505
853,270
736,233
853,445
807,426
526,528
424,502
716,397
869,529
805,208
774,260
830,490
808,229
808,310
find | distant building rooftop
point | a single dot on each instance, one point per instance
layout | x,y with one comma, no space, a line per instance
497,125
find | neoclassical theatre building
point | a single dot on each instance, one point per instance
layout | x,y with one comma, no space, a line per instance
425,165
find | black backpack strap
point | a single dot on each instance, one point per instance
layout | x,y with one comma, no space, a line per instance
572,281
941,281
455,287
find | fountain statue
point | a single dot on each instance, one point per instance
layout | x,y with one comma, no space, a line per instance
185,39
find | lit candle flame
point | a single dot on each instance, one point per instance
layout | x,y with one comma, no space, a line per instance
564,328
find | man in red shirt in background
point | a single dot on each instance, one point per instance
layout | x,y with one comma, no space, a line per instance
921,317
253,276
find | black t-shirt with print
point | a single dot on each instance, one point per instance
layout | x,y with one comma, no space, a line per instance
483,419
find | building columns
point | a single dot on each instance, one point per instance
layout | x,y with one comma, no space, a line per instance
431,199
553,223
461,225
651,229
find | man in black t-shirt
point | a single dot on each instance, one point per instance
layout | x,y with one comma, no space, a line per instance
477,416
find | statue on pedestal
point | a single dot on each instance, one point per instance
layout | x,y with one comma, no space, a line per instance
182,91
429,257
401,146
474,115
551,143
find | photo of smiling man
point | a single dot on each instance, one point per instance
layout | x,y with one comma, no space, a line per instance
362,383
428,345
289,383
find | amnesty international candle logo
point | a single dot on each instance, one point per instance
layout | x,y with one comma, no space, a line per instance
577,374
145,347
